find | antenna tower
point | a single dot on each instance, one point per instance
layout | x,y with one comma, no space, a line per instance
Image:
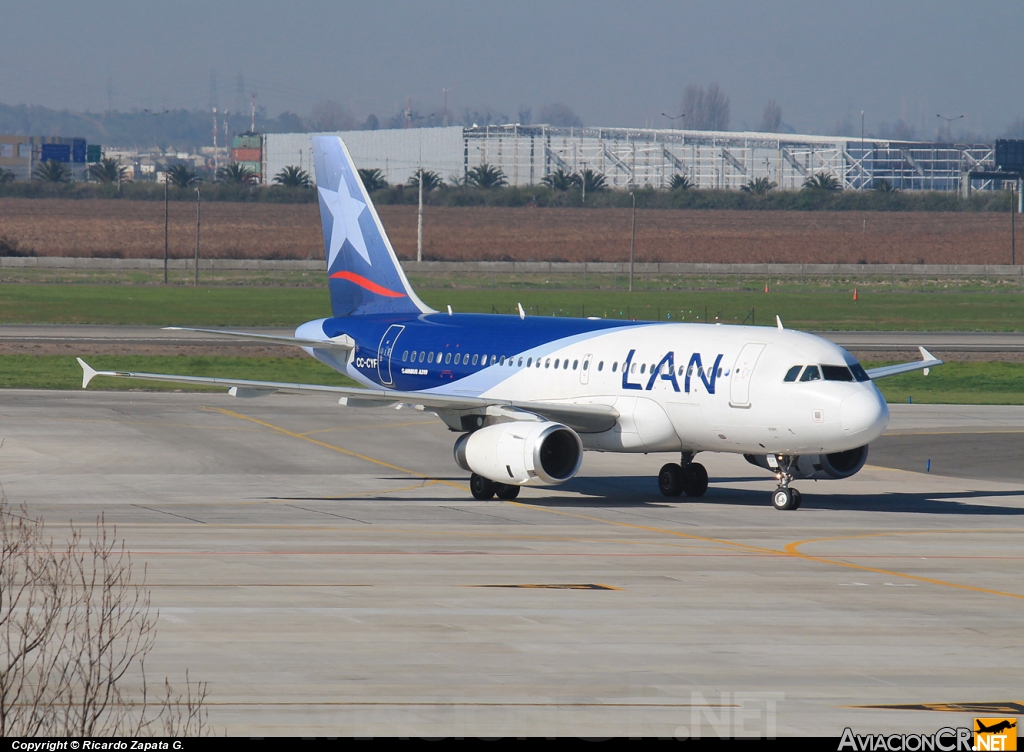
215,139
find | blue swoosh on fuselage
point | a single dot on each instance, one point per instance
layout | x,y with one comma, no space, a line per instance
481,334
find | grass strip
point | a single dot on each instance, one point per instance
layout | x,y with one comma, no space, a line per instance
970,383
289,306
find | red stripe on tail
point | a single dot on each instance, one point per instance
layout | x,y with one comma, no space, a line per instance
367,284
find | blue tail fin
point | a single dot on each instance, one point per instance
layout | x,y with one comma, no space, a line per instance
364,274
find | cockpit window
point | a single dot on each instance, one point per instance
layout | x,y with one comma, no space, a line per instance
792,373
811,373
837,373
859,373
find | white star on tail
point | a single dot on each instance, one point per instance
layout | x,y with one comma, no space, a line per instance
345,210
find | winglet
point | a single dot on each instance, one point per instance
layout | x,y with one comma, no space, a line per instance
522,313
88,372
927,357
778,322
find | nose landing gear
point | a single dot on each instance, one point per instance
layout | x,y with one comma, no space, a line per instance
785,498
689,477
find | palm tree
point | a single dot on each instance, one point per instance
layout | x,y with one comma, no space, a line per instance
52,171
373,180
560,180
759,187
7,176
235,174
431,180
107,170
182,176
823,181
293,177
884,186
486,176
591,181
680,183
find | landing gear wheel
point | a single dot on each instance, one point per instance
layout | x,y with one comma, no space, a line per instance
507,491
785,499
798,498
670,479
695,479
481,488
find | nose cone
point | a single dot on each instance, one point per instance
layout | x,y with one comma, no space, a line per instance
864,415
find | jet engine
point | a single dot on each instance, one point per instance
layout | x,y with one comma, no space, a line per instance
521,453
833,466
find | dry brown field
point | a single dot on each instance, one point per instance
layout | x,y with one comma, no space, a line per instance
134,229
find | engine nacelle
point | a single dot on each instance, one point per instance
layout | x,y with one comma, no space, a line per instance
521,453
833,466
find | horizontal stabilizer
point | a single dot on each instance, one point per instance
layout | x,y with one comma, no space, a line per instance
342,342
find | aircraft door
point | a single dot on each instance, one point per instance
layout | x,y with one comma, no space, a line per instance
739,382
585,368
387,345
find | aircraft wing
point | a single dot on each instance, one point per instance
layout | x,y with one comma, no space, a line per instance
343,342
587,418
927,361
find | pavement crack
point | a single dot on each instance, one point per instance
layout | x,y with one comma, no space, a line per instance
329,514
484,514
172,514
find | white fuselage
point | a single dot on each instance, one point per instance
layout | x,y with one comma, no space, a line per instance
692,387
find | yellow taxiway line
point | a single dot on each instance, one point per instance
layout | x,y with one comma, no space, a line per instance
791,550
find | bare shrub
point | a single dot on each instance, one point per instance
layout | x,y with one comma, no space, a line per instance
75,630
11,247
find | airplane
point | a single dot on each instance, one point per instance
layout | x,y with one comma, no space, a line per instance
528,395
995,728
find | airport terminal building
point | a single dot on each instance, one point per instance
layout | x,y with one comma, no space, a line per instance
649,158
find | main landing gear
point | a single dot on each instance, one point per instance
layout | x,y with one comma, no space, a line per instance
785,498
484,489
688,478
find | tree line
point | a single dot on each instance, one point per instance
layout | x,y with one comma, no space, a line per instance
487,185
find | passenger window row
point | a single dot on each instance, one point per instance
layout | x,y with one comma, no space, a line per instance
853,372
446,358
699,370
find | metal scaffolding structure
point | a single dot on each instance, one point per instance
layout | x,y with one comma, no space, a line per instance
649,158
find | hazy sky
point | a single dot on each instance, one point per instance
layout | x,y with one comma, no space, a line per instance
614,63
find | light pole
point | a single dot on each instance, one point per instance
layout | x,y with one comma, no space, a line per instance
167,255
199,199
949,126
1013,240
166,207
632,241
419,218
862,159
